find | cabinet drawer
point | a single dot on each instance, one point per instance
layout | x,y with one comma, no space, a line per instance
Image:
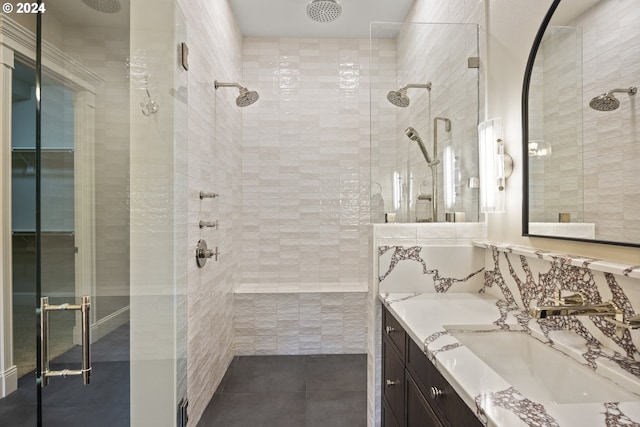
394,332
447,403
419,413
393,382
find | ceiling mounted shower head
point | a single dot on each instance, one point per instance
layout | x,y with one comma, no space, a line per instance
246,96
106,6
324,10
399,97
607,101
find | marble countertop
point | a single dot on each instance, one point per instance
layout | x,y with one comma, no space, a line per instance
430,319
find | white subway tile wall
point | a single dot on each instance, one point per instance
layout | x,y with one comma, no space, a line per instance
300,323
433,53
305,169
214,165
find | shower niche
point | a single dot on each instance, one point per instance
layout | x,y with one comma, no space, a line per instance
425,110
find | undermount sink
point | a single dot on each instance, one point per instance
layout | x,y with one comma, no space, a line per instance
540,372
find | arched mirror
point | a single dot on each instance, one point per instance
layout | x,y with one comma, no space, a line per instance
581,124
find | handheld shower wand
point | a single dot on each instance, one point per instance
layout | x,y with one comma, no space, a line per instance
413,135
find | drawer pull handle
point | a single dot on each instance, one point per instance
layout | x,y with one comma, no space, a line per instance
391,383
389,329
435,392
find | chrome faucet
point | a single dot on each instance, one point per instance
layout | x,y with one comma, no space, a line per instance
576,305
604,309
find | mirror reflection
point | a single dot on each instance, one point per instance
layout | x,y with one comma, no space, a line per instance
584,127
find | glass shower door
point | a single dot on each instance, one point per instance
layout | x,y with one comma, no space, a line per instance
82,217
111,214
93,325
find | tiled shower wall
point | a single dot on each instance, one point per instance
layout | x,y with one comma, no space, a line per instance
214,165
436,52
300,323
305,164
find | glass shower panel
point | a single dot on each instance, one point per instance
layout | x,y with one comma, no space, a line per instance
84,214
424,154
94,215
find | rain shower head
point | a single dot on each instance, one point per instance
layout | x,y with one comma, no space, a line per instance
324,10
607,101
106,6
399,97
246,96
413,135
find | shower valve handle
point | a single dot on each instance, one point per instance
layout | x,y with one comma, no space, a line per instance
203,253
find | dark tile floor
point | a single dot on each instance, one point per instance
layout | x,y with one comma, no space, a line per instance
295,391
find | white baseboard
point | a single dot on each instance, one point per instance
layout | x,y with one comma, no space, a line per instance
8,381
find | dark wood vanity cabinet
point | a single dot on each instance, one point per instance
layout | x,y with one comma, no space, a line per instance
414,393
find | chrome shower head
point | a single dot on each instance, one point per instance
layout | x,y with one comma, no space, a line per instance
399,97
324,10
246,96
607,101
106,6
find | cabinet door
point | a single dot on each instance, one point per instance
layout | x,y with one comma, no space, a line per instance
419,413
393,381
387,417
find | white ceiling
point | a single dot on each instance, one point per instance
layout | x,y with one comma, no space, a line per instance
288,18
568,10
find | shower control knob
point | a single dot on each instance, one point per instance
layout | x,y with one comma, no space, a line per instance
203,253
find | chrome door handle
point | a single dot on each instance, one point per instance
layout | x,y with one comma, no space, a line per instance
391,383
389,329
85,309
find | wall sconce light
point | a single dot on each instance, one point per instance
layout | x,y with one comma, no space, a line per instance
495,166
448,172
397,190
